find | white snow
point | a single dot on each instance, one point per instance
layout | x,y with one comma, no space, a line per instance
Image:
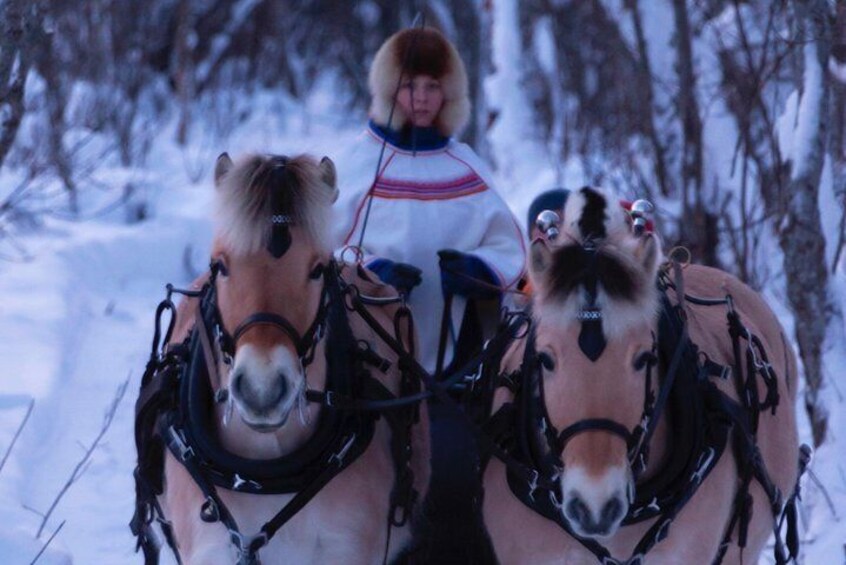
76,318
837,70
804,135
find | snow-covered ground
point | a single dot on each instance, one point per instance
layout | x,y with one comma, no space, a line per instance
76,320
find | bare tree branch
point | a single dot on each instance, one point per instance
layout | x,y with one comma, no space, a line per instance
239,14
82,466
17,433
47,543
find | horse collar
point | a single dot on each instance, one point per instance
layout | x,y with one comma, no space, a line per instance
332,436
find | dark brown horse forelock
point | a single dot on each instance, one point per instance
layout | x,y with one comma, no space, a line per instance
592,220
571,267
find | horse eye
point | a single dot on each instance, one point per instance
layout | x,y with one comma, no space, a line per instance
644,359
220,267
316,272
546,361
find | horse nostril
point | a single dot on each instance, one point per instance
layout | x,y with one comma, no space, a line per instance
282,389
577,511
237,384
611,512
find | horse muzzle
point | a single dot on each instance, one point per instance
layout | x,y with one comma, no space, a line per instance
594,507
264,390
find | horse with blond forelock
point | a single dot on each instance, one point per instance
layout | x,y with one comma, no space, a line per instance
260,461
643,423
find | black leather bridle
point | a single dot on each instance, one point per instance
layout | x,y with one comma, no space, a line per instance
637,448
304,344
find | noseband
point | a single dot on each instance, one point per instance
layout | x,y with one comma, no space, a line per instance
304,344
637,449
592,344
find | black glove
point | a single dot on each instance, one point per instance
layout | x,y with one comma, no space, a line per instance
401,276
467,275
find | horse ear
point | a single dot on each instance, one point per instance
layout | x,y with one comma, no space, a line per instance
647,252
329,176
221,167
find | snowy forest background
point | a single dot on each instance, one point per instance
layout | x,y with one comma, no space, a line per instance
730,115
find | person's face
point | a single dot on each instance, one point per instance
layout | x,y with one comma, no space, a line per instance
421,98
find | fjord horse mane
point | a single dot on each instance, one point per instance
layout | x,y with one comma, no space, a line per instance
246,196
596,246
597,468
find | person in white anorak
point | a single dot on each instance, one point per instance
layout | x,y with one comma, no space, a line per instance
429,222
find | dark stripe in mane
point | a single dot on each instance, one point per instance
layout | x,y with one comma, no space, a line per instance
592,221
571,268
261,187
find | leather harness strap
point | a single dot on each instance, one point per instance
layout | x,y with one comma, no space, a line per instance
721,418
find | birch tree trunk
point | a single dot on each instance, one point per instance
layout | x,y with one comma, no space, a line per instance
183,66
698,227
658,149
837,142
16,30
801,236
474,48
55,94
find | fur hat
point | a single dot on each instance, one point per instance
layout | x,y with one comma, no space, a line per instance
424,51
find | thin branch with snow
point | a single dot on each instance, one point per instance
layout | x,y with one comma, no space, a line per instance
17,433
47,543
82,466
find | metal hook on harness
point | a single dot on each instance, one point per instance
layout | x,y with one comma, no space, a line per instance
248,547
164,305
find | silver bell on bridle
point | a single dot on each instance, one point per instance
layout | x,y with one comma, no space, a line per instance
548,222
640,212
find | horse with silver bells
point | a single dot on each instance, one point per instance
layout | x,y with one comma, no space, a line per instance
647,413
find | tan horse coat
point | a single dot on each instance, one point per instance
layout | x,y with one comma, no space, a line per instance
346,522
260,197
521,536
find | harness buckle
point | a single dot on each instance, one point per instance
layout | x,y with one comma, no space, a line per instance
702,466
248,546
759,364
471,379
238,482
339,457
663,530
178,443
533,484
219,338
329,402
209,512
